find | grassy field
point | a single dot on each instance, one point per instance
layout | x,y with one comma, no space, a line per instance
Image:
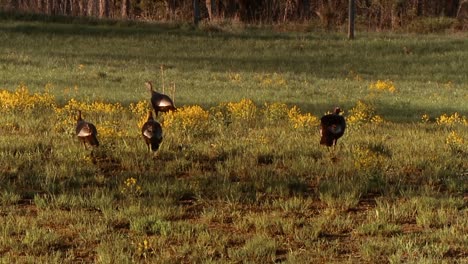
240,176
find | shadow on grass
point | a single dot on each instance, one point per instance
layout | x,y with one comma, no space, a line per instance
67,25
327,56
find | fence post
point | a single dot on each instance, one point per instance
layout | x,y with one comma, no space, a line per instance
351,15
196,12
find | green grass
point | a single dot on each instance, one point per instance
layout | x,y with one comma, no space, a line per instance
228,189
207,68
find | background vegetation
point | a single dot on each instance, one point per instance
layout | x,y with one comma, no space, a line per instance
407,15
240,176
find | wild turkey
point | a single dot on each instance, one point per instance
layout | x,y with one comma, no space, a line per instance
159,101
86,132
332,127
152,133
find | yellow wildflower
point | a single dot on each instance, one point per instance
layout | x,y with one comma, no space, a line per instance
454,139
245,110
377,119
191,119
300,121
455,118
383,86
275,111
130,187
425,118
21,99
363,113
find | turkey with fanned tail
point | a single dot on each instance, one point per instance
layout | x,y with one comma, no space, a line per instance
332,127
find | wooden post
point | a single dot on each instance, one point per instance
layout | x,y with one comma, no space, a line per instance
351,14
196,12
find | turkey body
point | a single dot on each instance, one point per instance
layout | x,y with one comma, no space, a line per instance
152,133
159,101
332,127
86,132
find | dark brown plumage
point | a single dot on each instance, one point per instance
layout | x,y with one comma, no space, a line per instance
152,133
86,132
332,127
159,101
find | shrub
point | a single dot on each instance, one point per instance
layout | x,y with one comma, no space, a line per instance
302,121
431,25
23,100
190,120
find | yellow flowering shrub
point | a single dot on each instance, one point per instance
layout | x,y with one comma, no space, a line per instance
245,110
383,86
425,118
454,139
455,142
110,129
453,119
275,111
140,111
363,113
139,108
107,108
188,119
377,119
95,107
142,120
66,115
21,99
302,121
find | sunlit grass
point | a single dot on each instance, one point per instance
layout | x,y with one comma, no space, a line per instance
242,155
